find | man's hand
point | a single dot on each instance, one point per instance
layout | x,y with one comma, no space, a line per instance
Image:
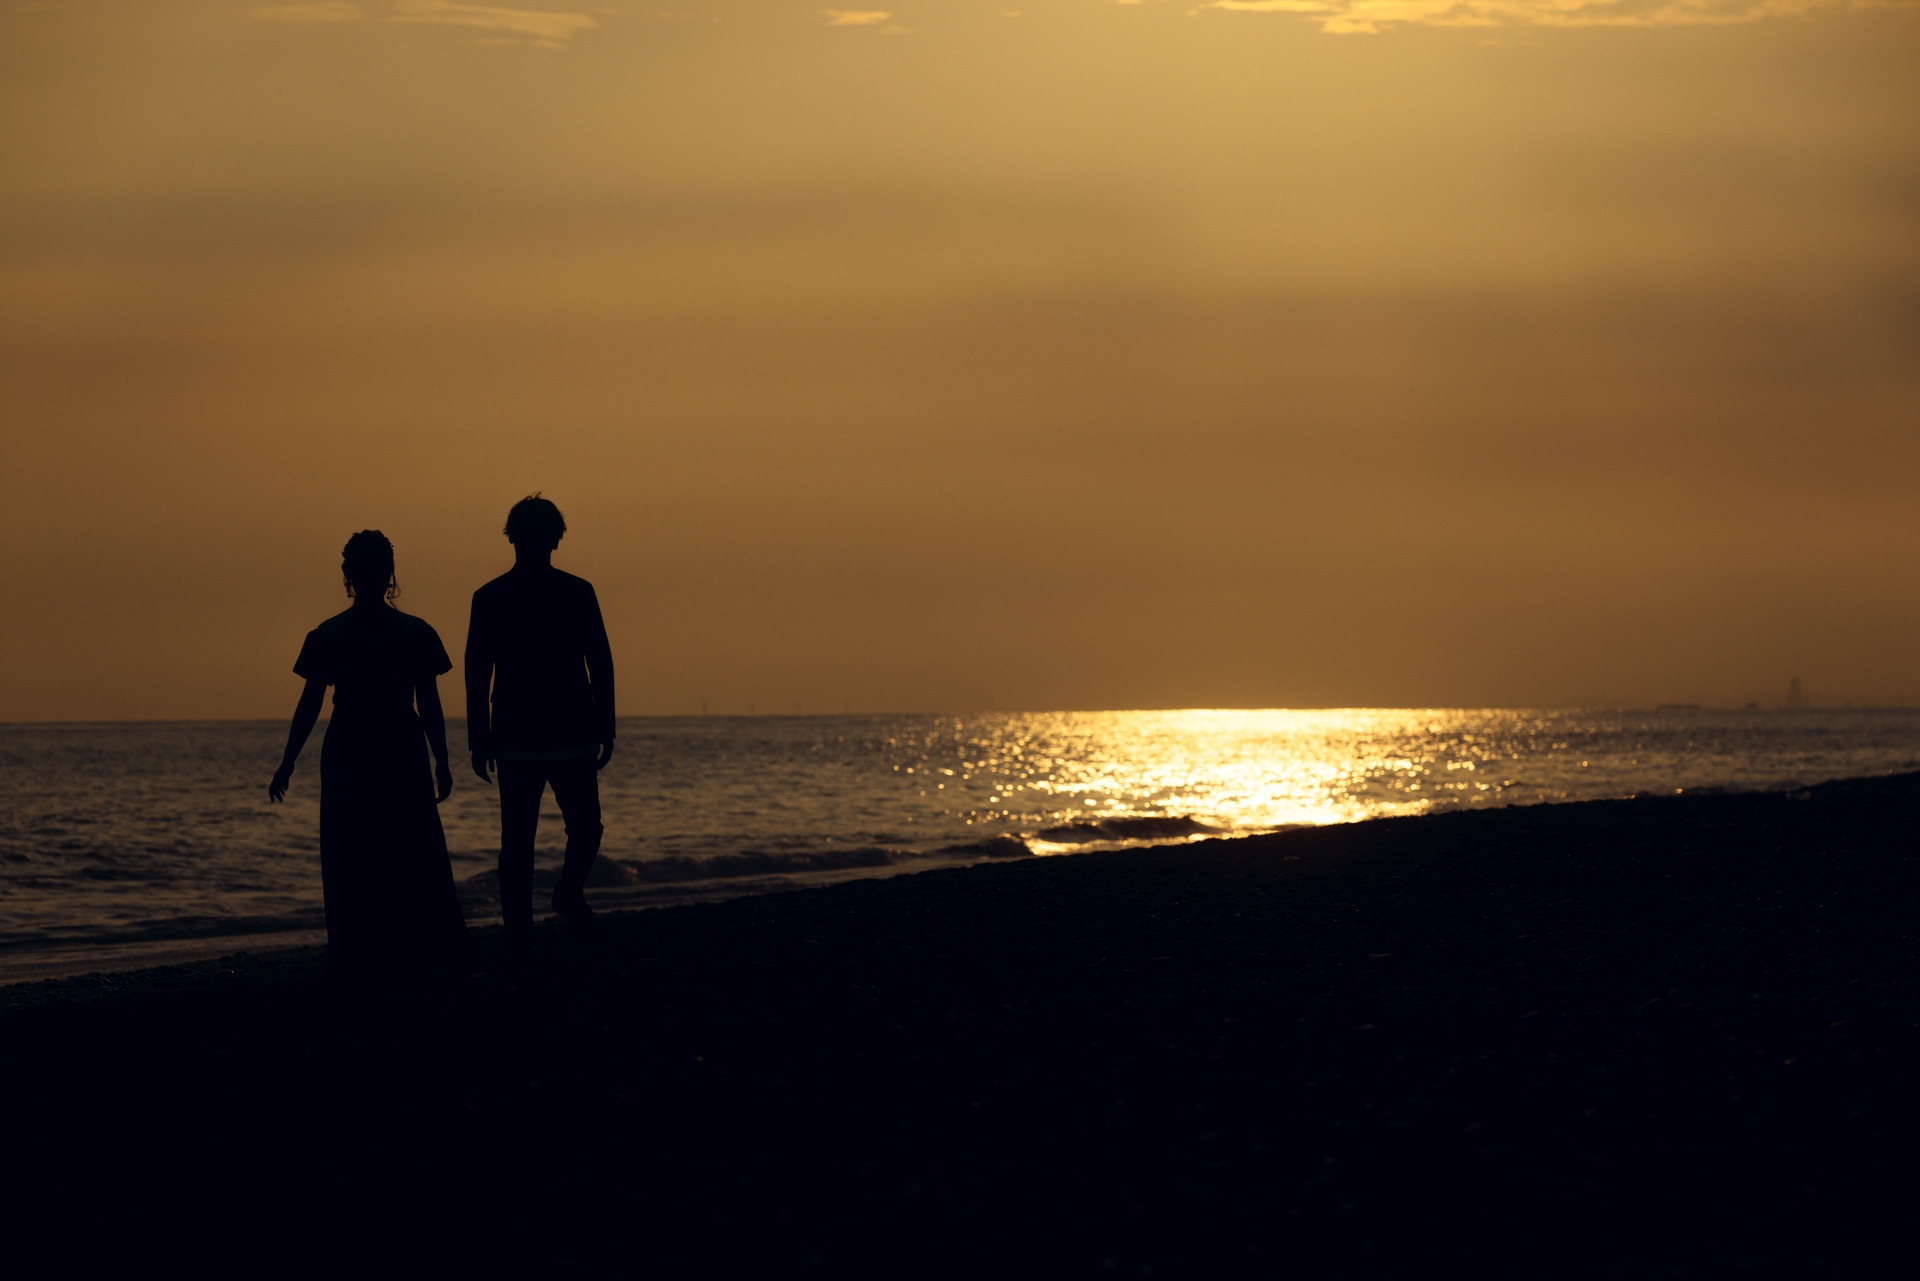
483,766
442,781
606,754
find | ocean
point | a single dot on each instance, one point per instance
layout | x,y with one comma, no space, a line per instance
124,845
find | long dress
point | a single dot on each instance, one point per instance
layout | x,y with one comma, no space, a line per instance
391,904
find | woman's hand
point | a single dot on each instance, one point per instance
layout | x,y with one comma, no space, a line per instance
305,713
442,780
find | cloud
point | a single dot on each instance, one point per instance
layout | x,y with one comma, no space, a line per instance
324,11
855,17
1370,16
544,27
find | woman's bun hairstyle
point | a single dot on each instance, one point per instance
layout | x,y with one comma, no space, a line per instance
368,558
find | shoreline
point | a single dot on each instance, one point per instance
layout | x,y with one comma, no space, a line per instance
698,811
623,885
1671,1035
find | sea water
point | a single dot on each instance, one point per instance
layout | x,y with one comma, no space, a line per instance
131,844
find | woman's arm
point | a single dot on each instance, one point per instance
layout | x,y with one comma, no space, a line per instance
426,695
306,714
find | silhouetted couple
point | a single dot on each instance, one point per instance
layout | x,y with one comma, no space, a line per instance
539,709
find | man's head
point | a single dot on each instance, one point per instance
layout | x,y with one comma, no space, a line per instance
535,524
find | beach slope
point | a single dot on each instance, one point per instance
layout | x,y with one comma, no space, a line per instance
1666,1036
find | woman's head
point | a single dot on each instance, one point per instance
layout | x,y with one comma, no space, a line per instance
536,523
366,562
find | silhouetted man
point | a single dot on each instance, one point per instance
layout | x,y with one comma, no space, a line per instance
537,639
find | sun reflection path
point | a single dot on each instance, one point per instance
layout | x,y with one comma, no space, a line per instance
1064,780
1231,771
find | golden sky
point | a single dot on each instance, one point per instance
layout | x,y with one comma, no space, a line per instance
967,355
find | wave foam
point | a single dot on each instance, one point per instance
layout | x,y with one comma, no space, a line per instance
613,873
995,847
1124,829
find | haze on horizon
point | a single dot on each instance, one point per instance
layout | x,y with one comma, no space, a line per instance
960,356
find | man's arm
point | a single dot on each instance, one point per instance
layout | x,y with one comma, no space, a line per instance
479,671
600,677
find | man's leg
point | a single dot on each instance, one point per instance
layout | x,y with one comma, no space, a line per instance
576,787
521,785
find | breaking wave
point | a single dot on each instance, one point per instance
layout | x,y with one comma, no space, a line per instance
997,847
1125,829
609,873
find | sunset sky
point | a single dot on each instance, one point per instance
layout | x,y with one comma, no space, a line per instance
972,354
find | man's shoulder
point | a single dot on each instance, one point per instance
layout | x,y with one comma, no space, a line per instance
495,588
514,587
573,583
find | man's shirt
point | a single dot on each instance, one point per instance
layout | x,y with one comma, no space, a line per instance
537,638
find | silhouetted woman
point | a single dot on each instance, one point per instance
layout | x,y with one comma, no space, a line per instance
383,856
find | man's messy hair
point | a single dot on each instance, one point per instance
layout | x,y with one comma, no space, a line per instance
535,522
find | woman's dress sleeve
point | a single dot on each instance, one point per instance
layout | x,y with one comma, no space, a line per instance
433,655
316,661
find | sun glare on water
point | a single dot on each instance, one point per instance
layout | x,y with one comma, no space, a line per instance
1067,779
1063,781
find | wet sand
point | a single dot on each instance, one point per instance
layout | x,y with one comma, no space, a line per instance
1672,1036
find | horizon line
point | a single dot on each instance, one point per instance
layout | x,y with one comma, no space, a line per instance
1650,708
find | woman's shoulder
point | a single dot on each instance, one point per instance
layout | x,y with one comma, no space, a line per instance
413,624
357,623
422,645
332,627
320,653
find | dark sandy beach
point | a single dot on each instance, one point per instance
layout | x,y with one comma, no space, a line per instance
1669,1036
